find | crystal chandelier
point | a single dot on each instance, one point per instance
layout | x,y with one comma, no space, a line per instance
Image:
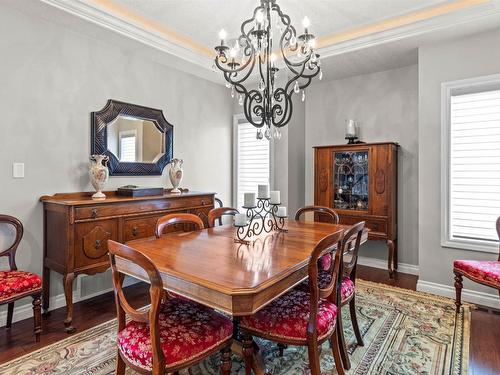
268,104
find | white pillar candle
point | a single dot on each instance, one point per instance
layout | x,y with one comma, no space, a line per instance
263,191
275,197
240,220
249,200
281,212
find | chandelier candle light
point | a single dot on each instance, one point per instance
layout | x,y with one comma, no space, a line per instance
263,215
268,106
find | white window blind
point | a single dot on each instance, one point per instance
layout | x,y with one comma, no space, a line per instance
474,166
127,147
252,161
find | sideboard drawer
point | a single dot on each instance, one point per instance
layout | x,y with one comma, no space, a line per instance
139,228
113,210
91,242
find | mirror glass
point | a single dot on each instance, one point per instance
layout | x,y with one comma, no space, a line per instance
134,140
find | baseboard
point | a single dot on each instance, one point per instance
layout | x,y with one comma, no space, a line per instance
379,263
468,295
26,311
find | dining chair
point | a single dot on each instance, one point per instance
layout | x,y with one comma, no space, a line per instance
15,284
177,218
218,202
169,335
216,214
350,248
327,214
486,272
300,317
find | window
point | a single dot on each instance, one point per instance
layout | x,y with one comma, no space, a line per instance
471,163
128,140
251,160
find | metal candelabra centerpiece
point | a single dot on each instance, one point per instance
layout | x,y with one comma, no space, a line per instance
264,216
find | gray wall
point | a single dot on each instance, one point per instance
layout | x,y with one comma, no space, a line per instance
473,56
386,106
288,162
52,78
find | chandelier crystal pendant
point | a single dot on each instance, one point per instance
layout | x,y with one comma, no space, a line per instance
267,104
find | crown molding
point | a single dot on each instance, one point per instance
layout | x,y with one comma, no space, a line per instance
414,29
94,14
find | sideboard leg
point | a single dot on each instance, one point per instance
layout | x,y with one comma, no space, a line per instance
45,290
390,258
68,293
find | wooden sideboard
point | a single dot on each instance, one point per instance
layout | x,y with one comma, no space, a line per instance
77,228
359,181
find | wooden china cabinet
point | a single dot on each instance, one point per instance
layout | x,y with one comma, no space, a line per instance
77,228
359,181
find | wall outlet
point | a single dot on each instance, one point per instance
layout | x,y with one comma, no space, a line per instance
18,170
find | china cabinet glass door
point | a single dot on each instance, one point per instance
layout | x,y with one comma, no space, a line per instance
350,180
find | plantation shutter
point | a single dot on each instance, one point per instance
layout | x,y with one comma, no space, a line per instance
474,165
127,148
253,160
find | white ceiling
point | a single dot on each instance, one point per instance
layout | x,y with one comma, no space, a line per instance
201,20
359,36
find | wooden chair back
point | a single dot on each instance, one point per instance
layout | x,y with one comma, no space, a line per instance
215,214
350,246
332,242
178,218
218,202
156,292
326,211
10,252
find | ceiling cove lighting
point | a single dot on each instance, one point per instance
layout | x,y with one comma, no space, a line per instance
267,103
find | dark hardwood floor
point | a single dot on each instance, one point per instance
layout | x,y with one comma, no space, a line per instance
19,340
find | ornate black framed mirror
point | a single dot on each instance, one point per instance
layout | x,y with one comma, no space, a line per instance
137,139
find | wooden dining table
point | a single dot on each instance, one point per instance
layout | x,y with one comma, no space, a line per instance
209,267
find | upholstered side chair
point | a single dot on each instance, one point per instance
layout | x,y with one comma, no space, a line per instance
486,272
346,294
172,333
300,317
327,214
15,284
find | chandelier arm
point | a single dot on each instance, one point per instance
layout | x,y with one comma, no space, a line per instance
279,111
257,109
243,78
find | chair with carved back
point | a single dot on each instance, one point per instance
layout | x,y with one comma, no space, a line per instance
177,218
15,284
327,215
486,272
216,214
301,317
347,292
350,244
172,333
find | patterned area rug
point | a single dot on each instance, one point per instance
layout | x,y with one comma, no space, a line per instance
405,332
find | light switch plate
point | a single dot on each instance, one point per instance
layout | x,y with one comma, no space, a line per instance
18,170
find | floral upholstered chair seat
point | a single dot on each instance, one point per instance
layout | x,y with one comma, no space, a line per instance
287,317
346,290
14,284
486,272
187,330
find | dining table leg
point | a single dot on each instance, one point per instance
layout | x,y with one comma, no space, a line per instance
257,363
